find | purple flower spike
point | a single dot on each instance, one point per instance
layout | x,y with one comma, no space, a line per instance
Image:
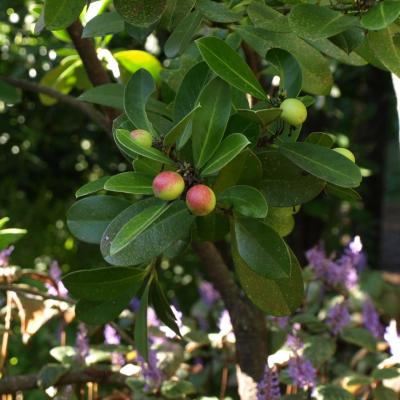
82,344
111,335
208,294
152,375
302,372
5,256
338,317
371,319
268,388
55,274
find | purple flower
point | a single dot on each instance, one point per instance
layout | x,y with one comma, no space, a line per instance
82,344
111,335
268,387
152,375
371,319
392,338
5,256
302,372
338,317
354,250
208,294
55,274
282,322
294,343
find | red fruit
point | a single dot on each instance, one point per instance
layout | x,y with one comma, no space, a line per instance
200,200
168,185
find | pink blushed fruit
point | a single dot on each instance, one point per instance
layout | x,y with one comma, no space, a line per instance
142,137
168,185
200,200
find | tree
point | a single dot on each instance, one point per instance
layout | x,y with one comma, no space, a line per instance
218,118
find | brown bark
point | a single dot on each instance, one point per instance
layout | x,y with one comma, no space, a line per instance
248,322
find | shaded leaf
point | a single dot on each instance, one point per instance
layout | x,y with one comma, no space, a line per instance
141,340
9,94
110,95
321,139
217,12
104,24
360,337
263,16
59,14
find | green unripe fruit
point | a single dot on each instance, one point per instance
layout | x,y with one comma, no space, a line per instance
142,137
200,200
168,185
294,112
345,152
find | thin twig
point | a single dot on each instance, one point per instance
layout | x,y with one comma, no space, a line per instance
6,334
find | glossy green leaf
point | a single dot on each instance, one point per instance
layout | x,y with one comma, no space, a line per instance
177,130
229,148
180,38
91,187
103,283
133,228
140,13
288,70
9,94
88,218
333,392
262,249
59,14
277,297
210,120
349,40
173,225
321,139
317,77
130,182
381,15
101,312
385,373
104,24
315,22
217,12
141,339
284,184
319,349
386,47
175,11
323,163
137,92
245,200
384,393
265,17
281,220
263,117
342,193
360,337
125,141
227,64
110,95
10,235
147,166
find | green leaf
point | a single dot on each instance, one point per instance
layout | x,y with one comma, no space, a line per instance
323,163
137,92
9,94
177,389
88,218
342,193
319,349
227,64
180,38
10,235
263,117
109,95
210,121
263,16
104,24
176,10
217,12
360,337
381,15
281,220
320,139
262,249
59,14
386,48
130,182
384,393
277,297
141,340
50,374
317,77
349,40
315,22
284,184
229,148
124,140
385,373
288,69
178,129
147,166
91,187
103,283
173,225
141,13
245,200
332,392
133,228
100,312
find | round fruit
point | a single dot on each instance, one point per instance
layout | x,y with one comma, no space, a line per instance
345,152
294,112
200,200
168,185
142,137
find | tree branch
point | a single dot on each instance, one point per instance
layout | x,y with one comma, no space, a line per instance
248,322
12,384
85,108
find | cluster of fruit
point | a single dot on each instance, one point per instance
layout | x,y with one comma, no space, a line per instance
169,185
